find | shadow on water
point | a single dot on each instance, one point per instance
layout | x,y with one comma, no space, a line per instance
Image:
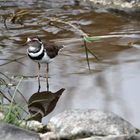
111,84
40,104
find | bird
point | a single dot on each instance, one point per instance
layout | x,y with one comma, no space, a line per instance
41,52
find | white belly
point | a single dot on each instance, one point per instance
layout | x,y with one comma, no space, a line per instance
45,59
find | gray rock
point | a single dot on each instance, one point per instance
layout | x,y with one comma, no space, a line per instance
124,7
121,137
54,136
86,123
120,4
32,125
11,132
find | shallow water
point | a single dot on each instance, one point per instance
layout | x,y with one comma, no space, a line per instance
112,84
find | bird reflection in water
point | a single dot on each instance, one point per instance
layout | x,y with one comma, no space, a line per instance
42,103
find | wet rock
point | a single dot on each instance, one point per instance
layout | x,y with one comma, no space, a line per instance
28,124
86,123
125,7
33,125
122,137
51,136
11,132
120,4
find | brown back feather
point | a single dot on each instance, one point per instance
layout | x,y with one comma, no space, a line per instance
52,49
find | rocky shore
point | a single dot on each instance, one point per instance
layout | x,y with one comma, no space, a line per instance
77,124
125,7
130,5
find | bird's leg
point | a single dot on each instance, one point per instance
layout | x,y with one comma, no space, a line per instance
47,81
38,77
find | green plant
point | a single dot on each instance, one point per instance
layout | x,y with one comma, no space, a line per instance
12,111
11,114
86,40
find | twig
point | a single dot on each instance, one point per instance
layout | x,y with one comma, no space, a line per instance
92,53
5,76
12,100
87,58
80,32
22,96
96,38
28,76
5,96
13,60
9,88
11,95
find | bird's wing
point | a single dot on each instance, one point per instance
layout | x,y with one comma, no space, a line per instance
51,49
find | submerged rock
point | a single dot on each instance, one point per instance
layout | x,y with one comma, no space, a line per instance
73,124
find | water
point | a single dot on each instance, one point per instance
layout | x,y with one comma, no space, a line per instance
112,84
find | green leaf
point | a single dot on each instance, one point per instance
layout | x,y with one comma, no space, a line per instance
90,39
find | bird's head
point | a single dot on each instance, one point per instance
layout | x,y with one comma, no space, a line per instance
34,38
34,44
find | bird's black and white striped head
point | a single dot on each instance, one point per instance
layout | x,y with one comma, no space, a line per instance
34,44
41,52
35,47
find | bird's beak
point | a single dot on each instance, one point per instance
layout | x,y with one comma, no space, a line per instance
28,39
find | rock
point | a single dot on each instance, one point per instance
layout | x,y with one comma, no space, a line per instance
125,7
53,136
32,125
73,124
120,4
28,124
122,137
11,132
1,116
